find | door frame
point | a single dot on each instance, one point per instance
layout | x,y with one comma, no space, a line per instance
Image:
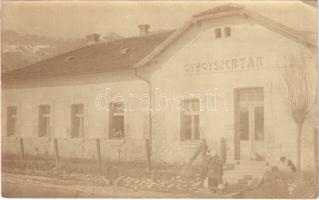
237,104
252,142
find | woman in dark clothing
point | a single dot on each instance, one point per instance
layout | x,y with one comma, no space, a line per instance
214,170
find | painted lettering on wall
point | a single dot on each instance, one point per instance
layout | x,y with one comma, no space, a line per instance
232,64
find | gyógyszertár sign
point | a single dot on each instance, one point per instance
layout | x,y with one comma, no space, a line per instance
232,64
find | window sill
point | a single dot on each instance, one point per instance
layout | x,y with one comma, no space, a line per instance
76,140
45,139
115,141
191,143
11,138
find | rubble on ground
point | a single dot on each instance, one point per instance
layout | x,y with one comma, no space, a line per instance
174,184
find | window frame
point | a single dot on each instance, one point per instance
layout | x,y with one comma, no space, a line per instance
256,100
111,115
227,32
17,131
218,33
193,114
49,127
84,118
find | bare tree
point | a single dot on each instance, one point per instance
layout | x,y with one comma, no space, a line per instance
301,93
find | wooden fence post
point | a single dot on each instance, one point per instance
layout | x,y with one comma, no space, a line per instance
315,153
22,148
194,156
56,152
98,150
148,154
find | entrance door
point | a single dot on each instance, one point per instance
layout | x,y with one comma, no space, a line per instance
250,123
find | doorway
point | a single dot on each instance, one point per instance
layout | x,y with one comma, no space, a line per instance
249,122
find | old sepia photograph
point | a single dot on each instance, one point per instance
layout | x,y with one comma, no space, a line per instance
159,99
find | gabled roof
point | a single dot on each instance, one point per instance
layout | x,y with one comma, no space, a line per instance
101,57
219,9
137,51
227,11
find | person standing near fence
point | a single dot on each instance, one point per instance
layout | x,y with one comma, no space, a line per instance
214,170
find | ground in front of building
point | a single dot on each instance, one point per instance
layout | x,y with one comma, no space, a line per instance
126,180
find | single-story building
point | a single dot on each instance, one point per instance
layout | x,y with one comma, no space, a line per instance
219,77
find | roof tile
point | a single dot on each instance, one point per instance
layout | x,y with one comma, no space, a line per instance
117,55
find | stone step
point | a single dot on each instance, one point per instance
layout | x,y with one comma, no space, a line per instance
249,169
251,163
237,178
240,175
243,173
246,172
227,177
229,166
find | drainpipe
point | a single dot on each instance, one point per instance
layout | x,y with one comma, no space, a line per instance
150,106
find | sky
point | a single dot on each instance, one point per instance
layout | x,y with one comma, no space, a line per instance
76,19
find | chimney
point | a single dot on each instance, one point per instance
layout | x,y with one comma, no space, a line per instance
93,38
143,28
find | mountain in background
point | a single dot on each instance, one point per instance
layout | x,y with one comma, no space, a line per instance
20,50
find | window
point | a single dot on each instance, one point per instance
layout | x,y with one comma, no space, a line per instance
190,120
227,31
44,120
218,33
116,121
12,120
77,120
251,94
